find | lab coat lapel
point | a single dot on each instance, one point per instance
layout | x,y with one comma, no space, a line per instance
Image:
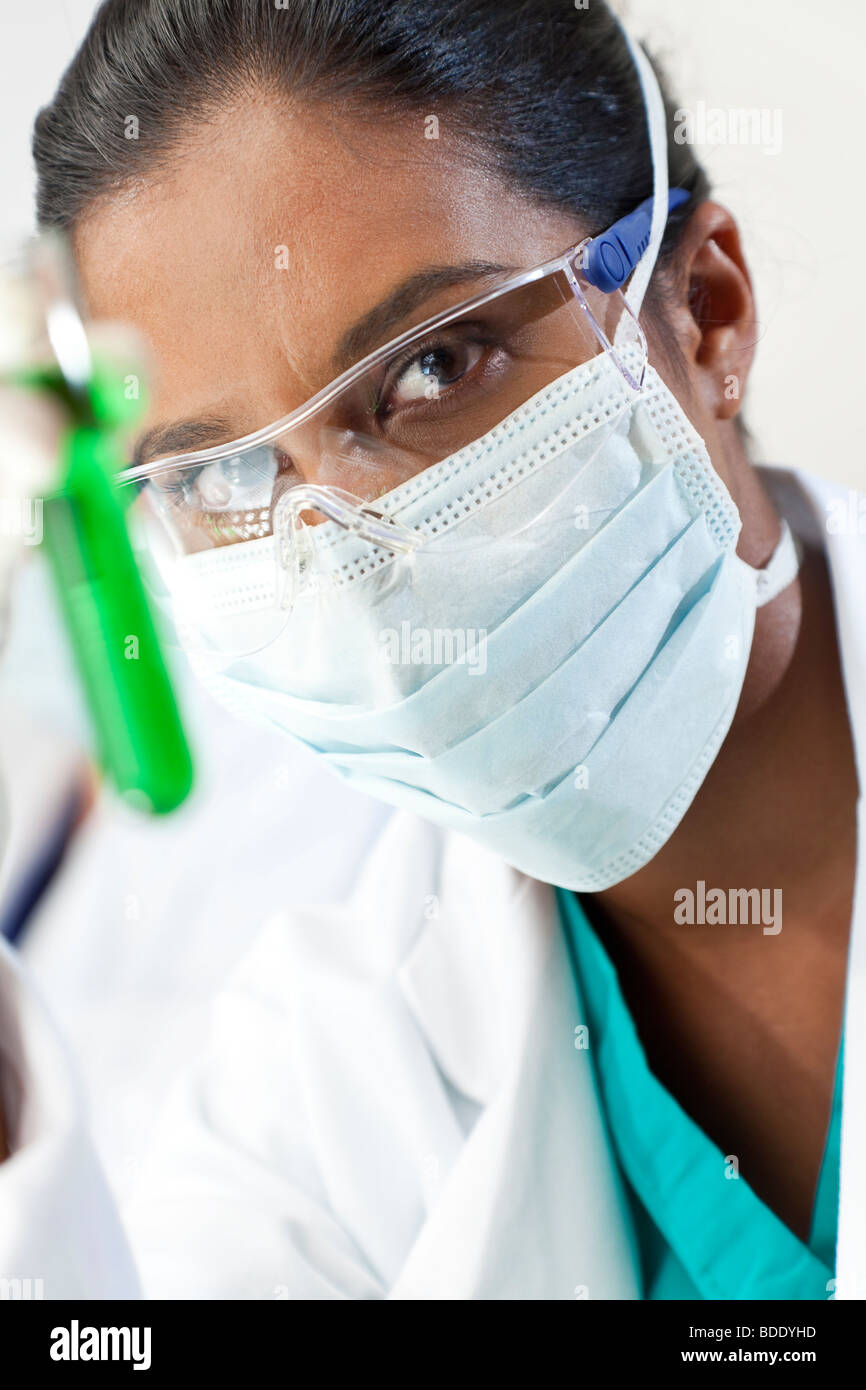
846,554
532,1207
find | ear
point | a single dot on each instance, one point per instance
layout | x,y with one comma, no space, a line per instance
714,316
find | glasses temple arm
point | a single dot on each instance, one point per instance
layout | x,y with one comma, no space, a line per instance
610,257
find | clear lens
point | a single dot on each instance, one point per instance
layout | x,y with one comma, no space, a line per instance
422,400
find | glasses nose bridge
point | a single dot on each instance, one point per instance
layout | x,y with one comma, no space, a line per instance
313,454
324,451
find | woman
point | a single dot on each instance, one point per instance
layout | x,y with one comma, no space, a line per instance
515,573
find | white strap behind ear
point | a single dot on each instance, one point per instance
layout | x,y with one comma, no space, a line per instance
658,141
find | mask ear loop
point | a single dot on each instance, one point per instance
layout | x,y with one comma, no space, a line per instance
658,142
781,569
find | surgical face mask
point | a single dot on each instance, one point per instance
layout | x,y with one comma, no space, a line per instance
488,574
556,691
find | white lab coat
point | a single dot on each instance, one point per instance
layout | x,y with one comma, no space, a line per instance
390,1104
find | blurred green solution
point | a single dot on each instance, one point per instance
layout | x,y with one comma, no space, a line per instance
140,739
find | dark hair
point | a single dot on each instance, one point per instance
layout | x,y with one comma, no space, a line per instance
545,92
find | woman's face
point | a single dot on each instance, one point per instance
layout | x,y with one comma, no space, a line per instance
284,243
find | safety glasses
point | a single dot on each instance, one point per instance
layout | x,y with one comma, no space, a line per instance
346,456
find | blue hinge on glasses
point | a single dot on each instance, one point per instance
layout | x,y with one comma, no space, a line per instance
611,257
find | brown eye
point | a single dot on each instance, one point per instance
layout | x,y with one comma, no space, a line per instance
432,371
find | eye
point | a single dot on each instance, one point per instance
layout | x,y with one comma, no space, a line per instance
239,483
433,370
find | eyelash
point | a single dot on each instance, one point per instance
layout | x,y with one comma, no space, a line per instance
396,367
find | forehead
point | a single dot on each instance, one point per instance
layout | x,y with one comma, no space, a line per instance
274,228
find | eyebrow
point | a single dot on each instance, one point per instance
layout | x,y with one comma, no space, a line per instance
377,326
367,333
181,438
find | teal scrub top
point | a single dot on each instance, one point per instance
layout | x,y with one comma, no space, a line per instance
701,1234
